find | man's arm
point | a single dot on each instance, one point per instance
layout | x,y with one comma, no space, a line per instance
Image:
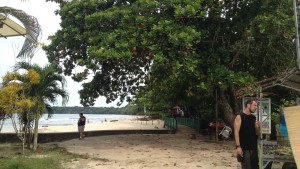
237,127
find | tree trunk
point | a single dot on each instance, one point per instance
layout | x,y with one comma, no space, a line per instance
236,103
1,124
26,130
28,139
226,108
36,127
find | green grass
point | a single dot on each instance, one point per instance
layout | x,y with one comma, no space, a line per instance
31,163
48,156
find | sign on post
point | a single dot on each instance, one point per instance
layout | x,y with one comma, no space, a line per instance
264,113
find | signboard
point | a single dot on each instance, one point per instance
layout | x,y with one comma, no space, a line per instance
264,112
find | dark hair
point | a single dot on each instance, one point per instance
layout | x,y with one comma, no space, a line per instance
249,101
81,114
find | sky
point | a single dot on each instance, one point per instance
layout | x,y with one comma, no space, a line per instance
50,23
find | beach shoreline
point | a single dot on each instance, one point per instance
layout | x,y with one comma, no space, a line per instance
108,125
127,124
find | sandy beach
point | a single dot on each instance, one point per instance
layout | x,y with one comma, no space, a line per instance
129,124
147,151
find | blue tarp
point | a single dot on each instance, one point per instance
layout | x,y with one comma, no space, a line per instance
282,125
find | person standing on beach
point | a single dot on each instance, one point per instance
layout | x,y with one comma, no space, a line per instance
81,124
246,131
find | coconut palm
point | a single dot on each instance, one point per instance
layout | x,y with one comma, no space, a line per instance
52,84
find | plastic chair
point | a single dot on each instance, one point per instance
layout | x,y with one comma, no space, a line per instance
226,131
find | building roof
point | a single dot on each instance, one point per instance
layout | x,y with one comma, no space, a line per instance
290,79
10,28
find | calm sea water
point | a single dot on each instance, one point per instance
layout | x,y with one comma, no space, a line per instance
69,119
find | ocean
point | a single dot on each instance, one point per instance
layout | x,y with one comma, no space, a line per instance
69,119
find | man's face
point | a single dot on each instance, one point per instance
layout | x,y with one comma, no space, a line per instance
253,107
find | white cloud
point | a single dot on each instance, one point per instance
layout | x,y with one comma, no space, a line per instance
44,12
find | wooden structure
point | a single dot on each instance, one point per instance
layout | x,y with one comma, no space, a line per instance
10,28
30,29
292,118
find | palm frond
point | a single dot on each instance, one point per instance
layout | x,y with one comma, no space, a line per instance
52,82
33,30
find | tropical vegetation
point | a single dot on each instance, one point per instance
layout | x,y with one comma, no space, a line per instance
129,110
28,94
51,85
162,53
33,91
14,100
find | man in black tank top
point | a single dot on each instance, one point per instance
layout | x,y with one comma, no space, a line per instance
246,131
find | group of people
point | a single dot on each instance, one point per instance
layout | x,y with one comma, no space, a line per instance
246,132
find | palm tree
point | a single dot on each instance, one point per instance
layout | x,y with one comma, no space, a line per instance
52,84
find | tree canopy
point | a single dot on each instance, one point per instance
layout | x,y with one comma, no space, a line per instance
173,51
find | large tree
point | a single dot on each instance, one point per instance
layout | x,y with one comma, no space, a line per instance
186,49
